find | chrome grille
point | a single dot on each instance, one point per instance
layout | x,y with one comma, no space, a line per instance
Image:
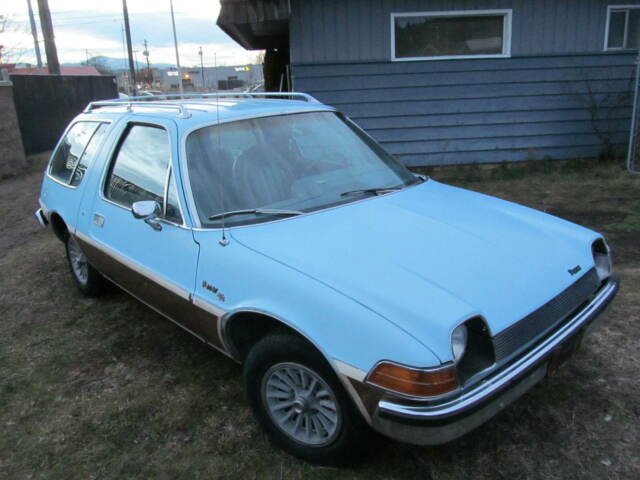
546,317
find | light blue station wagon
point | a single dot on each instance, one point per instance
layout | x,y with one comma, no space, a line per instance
357,295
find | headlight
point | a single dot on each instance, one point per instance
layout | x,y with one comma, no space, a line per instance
602,259
459,342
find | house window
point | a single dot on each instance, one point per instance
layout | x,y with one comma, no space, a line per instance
450,35
623,27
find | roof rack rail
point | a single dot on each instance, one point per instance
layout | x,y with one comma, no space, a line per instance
157,100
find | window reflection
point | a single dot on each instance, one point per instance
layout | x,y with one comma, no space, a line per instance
140,168
70,149
300,161
89,153
440,36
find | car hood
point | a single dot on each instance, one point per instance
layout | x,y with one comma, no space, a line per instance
430,256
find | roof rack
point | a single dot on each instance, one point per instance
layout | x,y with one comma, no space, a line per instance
157,100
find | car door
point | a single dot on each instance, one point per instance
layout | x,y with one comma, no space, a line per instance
153,260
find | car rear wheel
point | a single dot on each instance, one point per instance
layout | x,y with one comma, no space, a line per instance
299,401
87,278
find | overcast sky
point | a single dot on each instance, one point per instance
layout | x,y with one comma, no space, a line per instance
96,26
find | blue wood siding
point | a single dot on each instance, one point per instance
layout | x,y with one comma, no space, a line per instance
482,110
330,31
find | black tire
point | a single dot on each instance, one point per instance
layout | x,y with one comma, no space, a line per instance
88,280
351,435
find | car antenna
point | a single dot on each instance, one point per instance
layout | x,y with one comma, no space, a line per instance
224,241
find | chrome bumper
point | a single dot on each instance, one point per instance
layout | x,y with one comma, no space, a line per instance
42,219
440,423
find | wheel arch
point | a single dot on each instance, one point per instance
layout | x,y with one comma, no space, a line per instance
239,340
242,329
59,226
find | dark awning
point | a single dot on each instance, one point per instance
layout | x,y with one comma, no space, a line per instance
256,24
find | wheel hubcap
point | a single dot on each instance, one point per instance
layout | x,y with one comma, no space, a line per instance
78,261
301,404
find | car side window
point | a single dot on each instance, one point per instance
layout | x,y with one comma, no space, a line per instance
89,153
139,170
72,148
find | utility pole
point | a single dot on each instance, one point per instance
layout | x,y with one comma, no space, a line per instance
175,42
49,42
34,34
204,85
127,32
145,52
124,56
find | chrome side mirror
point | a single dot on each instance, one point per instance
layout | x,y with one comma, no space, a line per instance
149,211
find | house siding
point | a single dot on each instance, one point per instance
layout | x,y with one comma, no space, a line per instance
330,31
486,110
559,95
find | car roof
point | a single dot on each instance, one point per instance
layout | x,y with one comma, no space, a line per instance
190,113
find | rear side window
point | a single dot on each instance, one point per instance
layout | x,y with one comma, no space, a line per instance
76,151
140,170
89,154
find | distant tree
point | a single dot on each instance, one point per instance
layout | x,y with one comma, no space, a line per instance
13,52
604,104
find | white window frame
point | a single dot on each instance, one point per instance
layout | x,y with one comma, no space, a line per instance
610,9
507,14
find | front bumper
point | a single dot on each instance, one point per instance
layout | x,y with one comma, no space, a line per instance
441,423
41,217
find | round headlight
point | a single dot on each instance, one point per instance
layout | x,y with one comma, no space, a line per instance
459,342
602,259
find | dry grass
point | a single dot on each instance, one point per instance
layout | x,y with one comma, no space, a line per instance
108,389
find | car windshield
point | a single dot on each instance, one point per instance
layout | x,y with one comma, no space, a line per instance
301,162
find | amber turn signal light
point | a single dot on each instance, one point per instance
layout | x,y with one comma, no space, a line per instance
414,381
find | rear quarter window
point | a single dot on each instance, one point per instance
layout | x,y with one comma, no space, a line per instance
76,151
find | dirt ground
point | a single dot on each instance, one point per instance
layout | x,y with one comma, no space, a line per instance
108,389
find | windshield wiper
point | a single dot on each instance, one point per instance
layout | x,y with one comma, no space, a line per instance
372,191
256,211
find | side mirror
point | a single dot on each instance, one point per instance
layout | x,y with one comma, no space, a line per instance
149,211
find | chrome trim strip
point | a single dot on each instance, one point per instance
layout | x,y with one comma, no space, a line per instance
354,396
350,370
172,287
60,182
40,217
207,307
165,198
503,378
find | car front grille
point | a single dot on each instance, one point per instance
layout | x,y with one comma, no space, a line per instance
546,317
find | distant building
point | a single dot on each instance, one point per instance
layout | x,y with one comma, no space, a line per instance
214,78
458,81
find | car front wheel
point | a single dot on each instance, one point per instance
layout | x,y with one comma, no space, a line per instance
87,278
299,401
